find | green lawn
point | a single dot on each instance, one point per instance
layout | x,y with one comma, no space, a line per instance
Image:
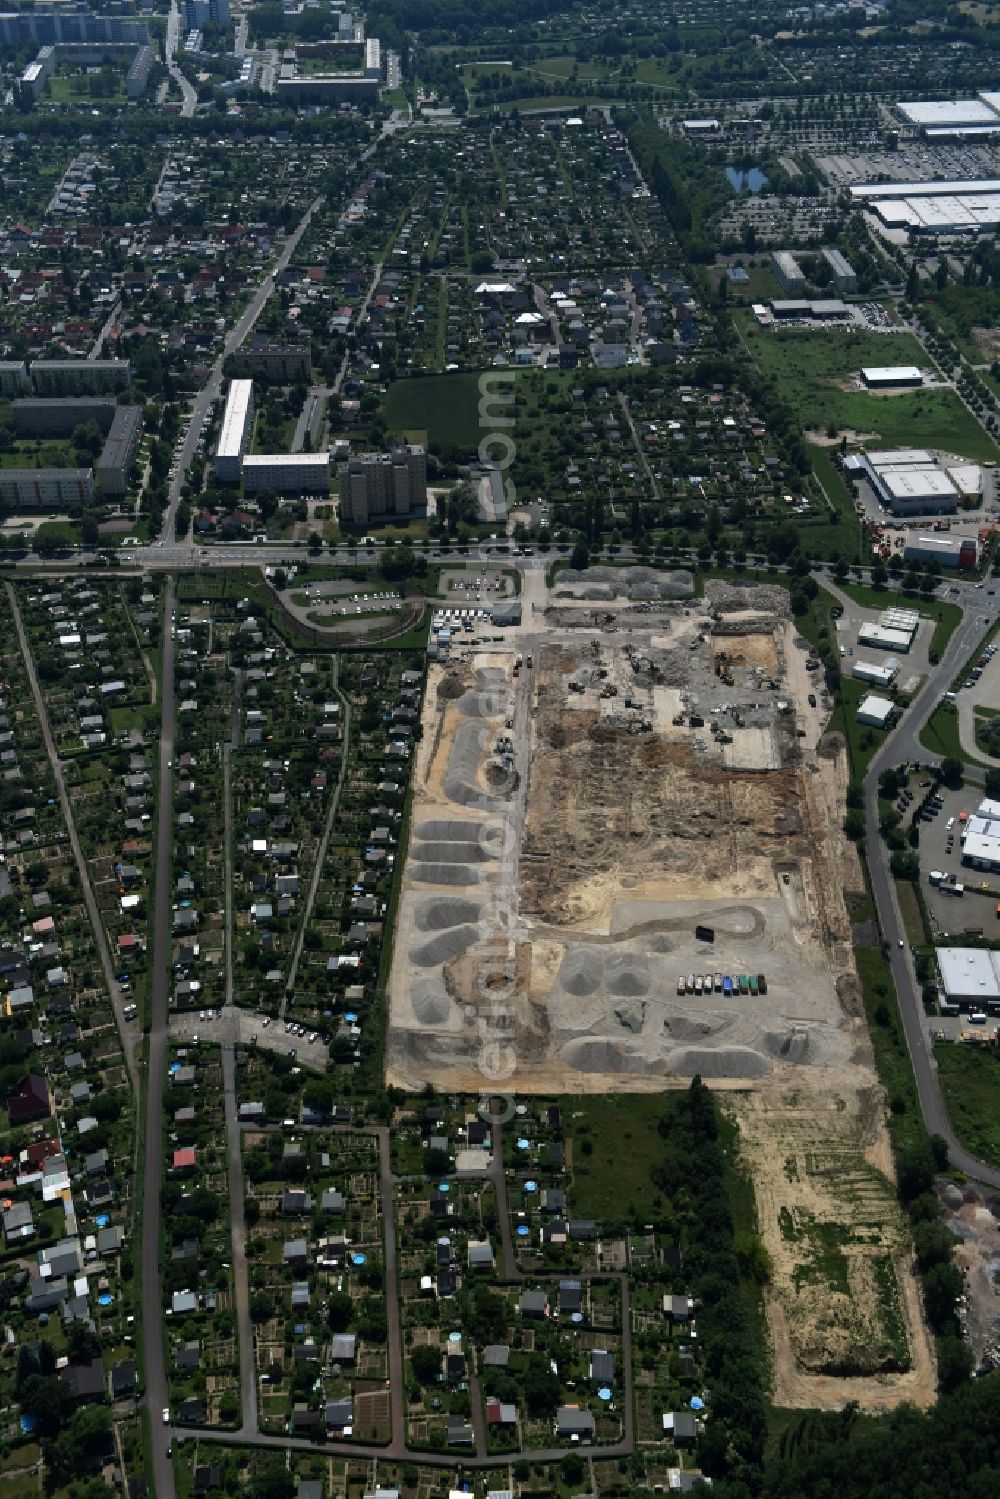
809,366
940,734
892,1058
970,1083
437,409
620,1133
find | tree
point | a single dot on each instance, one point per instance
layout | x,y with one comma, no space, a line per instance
952,770
340,1311
426,1363
580,557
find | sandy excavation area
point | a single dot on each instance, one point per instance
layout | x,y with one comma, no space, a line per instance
598,841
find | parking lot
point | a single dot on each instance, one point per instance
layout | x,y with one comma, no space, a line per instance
941,850
249,1028
912,666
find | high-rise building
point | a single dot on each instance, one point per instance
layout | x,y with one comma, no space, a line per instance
383,486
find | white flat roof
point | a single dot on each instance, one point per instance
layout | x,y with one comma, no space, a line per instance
892,372
949,188
948,112
947,544
286,460
874,707
918,483
988,808
871,671
967,476
899,458
878,635
969,972
234,419
982,839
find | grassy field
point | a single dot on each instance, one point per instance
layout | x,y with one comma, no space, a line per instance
970,1082
620,1134
436,408
842,537
812,366
892,1059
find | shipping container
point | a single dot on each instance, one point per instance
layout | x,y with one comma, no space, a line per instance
762,983
744,983
727,985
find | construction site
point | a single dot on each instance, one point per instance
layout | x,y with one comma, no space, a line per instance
616,810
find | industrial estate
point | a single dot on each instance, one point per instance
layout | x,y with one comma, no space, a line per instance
499,750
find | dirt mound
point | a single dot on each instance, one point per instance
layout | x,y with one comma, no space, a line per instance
444,874
452,686
683,1028
430,1000
596,1054
436,915
628,974
445,946
582,971
444,830
721,1061
468,852
789,1046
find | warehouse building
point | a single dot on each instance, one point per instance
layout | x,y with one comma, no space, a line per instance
237,424
907,481
382,486
879,638
29,489
945,115
845,278
80,377
287,473
875,710
968,480
53,418
823,309
881,674
950,551
787,271
285,363
891,376
969,978
981,837
115,463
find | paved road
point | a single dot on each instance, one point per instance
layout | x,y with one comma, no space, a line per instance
130,1035
189,96
152,1301
321,849
212,388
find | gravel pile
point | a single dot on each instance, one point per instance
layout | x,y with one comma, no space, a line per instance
444,874
442,911
443,947
723,1061
430,1000
732,598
